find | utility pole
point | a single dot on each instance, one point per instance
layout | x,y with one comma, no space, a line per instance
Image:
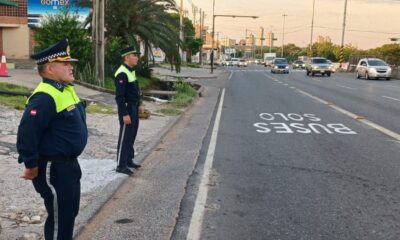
201,36
99,40
312,28
283,33
262,41
212,39
343,31
217,45
245,44
194,11
181,29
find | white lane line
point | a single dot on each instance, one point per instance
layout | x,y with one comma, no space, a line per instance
201,199
346,87
391,98
230,76
378,127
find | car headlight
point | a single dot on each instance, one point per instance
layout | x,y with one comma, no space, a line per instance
287,67
315,67
372,69
276,67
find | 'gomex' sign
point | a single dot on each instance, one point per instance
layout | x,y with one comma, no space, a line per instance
306,123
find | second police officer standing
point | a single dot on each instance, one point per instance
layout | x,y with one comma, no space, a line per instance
127,95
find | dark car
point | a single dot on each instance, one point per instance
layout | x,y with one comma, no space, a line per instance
280,65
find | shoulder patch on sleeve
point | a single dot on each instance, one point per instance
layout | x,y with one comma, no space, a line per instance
33,112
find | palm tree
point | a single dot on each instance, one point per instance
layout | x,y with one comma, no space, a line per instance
146,21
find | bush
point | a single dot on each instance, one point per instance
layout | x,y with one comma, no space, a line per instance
185,94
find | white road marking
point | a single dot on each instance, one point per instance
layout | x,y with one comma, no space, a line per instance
391,98
230,76
386,131
201,199
346,87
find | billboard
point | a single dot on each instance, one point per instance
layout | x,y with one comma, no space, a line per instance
37,9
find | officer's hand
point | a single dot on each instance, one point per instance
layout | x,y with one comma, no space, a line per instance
126,119
141,109
30,173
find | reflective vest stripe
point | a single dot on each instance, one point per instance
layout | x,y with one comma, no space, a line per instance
62,99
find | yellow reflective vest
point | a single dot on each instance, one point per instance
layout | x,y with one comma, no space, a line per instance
63,99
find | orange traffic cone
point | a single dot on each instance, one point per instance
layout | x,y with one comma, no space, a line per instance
3,66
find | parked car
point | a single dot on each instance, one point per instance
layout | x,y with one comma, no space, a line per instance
299,64
280,65
373,68
242,63
318,65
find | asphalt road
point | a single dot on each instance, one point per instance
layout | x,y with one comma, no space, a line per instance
291,162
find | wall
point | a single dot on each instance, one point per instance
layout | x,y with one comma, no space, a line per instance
16,42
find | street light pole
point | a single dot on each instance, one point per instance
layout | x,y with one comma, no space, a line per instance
312,27
213,30
283,33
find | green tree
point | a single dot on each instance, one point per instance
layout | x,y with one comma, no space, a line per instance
65,25
147,22
389,52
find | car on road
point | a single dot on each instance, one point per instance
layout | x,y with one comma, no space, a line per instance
318,65
235,62
279,65
242,63
373,68
298,64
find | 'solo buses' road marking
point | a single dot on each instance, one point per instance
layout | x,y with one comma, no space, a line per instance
306,123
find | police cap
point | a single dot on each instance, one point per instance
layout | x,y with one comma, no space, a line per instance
129,50
58,52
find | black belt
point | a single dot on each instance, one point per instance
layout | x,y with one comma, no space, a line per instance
58,158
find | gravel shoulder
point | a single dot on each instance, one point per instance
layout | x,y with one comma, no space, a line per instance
22,213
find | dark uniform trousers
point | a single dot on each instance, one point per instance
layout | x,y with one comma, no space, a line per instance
127,136
58,183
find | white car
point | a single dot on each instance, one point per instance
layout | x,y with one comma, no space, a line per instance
235,62
373,68
242,63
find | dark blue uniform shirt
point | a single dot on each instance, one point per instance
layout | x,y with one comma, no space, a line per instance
46,133
126,92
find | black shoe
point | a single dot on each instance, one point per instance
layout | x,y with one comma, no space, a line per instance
126,171
133,165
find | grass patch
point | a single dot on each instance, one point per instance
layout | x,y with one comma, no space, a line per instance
169,111
100,108
185,94
16,102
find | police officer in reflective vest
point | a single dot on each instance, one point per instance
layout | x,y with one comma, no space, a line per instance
51,135
127,95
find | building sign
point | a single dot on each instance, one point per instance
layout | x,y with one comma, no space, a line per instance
37,9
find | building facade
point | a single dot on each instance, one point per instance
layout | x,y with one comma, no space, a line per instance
14,31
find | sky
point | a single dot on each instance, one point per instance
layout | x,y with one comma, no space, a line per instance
369,23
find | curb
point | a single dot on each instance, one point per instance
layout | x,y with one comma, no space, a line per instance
112,187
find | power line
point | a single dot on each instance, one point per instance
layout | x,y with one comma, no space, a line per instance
355,30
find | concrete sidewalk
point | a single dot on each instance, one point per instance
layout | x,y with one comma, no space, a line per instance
187,73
